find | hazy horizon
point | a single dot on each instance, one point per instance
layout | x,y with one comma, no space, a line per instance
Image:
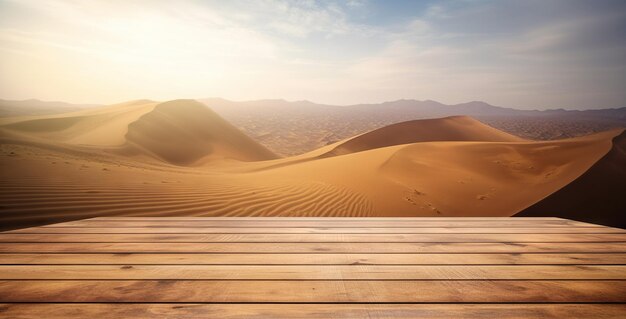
524,55
96,104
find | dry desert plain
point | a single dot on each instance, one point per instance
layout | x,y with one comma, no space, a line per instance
180,158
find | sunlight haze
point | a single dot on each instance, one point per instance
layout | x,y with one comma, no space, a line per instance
524,54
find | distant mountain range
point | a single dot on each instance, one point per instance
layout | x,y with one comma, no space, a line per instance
279,124
427,108
290,128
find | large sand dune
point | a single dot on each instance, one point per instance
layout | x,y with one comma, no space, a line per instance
103,126
181,132
597,196
454,128
179,158
184,132
453,178
293,128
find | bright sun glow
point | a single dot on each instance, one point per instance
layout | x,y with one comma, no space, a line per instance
330,52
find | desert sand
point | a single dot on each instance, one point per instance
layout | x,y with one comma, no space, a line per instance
179,158
596,196
291,128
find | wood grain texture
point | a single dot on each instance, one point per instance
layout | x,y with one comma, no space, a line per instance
311,238
313,248
314,259
316,311
195,267
304,218
308,272
312,291
363,222
317,230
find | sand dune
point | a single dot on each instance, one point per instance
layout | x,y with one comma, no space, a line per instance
294,128
179,158
596,196
103,126
453,128
11,108
454,178
185,132
182,132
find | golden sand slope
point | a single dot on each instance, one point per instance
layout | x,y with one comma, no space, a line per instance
182,132
185,132
455,167
454,178
453,128
105,126
596,196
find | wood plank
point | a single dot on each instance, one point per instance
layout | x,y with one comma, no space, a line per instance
313,230
330,223
312,291
313,248
352,266
308,272
171,218
319,311
315,259
311,238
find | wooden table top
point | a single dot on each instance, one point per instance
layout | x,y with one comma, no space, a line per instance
196,267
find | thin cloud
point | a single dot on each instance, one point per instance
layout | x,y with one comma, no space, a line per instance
530,54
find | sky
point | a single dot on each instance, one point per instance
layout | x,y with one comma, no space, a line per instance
530,54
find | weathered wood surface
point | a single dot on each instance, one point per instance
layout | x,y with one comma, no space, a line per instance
190,267
311,238
319,311
318,230
313,259
307,248
364,222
